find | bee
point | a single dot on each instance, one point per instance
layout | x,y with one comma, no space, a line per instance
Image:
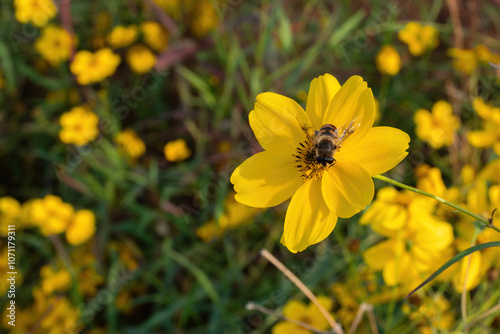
328,139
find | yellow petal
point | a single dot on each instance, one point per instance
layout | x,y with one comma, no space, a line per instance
399,270
294,309
275,122
321,92
308,219
381,149
266,179
353,101
347,189
377,256
481,138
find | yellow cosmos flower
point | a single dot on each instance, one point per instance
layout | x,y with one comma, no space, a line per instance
309,314
489,136
155,36
437,127
79,126
122,36
176,150
291,167
140,59
54,45
91,67
130,143
419,38
38,12
388,60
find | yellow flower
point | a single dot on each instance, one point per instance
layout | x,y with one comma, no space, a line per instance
122,36
203,18
79,126
54,281
54,45
81,228
130,143
176,150
140,59
419,38
38,12
433,313
10,211
51,214
467,60
91,67
235,214
437,128
4,268
416,241
388,60
320,190
155,36
489,136
309,314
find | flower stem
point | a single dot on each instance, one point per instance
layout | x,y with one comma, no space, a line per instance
486,222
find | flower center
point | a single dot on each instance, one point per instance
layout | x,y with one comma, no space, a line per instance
307,160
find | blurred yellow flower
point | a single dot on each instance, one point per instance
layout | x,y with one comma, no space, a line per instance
81,227
177,150
127,254
155,36
417,242
388,60
489,136
467,60
140,59
79,126
38,12
4,268
54,281
91,67
122,36
320,190
433,313
234,215
203,18
51,214
419,38
56,313
308,314
10,211
54,45
129,143
437,127
172,7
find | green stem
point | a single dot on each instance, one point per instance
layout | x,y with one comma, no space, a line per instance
485,221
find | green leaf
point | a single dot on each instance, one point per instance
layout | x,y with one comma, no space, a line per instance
199,274
454,260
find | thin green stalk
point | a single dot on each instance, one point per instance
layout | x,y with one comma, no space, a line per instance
485,221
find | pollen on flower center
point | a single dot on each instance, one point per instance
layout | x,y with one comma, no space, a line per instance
307,165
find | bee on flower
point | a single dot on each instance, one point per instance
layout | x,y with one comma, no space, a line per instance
323,157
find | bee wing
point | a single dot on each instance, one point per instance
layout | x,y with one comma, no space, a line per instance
304,124
347,130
